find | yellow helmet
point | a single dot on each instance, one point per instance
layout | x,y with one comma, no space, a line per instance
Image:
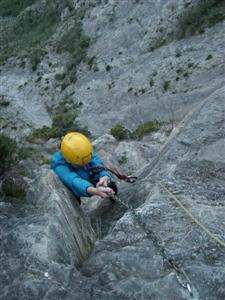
76,148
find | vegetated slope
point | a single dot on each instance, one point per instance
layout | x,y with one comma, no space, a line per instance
145,60
152,76
143,68
40,50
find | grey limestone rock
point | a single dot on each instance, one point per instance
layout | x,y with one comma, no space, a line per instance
43,242
49,245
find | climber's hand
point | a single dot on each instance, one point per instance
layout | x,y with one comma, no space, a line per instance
103,192
104,181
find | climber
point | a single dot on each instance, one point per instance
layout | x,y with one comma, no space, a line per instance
74,164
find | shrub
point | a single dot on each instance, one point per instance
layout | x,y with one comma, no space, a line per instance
60,76
63,121
14,187
196,18
145,129
190,65
7,152
120,132
179,71
166,85
13,7
123,158
75,42
30,33
35,60
91,61
209,57
178,53
151,82
157,43
4,103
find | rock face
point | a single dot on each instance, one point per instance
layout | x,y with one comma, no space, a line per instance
144,72
128,263
43,241
50,237
127,155
137,71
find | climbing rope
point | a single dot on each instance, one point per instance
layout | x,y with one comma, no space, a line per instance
121,176
212,236
181,275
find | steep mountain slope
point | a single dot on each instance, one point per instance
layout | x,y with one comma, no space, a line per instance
136,69
42,255
144,71
105,63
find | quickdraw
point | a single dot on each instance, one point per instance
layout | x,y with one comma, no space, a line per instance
181,276
121,176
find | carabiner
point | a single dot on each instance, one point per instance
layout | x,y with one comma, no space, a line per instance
131,179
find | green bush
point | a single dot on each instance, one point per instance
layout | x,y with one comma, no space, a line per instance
209,57
166,85
13,7
60,76
145,128
76,43
35,60
157,43
4,103
14,187
198,17
91,61
186,75
123,159
151,83
7,152
122,133
190,65
178,53
63,121
30,33
119,132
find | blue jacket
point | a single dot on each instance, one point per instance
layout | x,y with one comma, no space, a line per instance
77,179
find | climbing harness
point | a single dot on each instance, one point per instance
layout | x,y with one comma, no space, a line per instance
119,175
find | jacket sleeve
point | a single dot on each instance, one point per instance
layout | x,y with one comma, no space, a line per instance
72,180
96,161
